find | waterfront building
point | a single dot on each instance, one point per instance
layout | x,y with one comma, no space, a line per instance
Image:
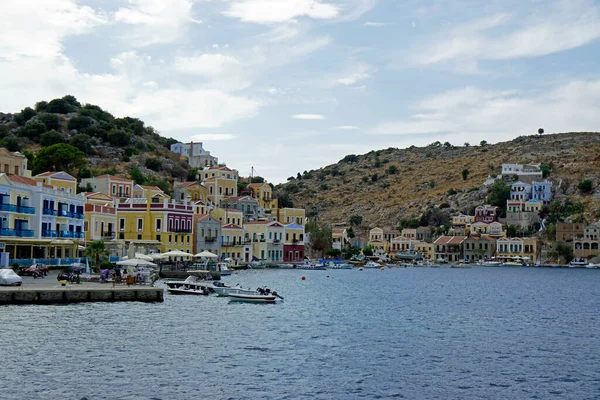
246,204
479,247
528,249
567,232
376,241
293,246
207,234
13,163
100,217
267,240
189,191
158,224
195,153
39,221
409,233
449,248
587,246
234,244
427,249
339,238
113,186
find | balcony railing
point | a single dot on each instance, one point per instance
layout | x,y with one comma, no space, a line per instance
48,211
276,241
16,232
71,234
180,230
108,235
209,239
17,209
49,233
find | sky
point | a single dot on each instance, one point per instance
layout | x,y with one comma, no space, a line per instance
287,86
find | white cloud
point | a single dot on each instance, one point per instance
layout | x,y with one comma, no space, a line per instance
565,26
214,137
269,11
309,116
352,75
206,64
36,28
347,127
472,114
156,21
373,24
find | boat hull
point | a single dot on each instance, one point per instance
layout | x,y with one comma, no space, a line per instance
183,291
252,298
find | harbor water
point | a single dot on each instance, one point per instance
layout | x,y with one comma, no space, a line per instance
414,333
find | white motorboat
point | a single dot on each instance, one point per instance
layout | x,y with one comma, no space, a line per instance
339,265
312,265
257,265
192,285
372,264
223,269
591,266
578,263
227,290
260,295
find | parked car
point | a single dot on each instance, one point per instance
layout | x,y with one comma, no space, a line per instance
35,270
8,277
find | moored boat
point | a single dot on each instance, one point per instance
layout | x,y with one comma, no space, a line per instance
591,266
578,263
260,295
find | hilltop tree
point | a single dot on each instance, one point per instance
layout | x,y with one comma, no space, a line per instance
483,143
58,157
540,131
585,186
355,220
51,137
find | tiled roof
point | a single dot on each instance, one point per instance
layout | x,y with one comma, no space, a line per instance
185,184
231,226
114,178
150,187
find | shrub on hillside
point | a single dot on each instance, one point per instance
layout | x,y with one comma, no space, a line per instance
585,186
51,137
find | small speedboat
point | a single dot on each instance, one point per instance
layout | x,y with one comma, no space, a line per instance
260,295
591,266
192,285
372,264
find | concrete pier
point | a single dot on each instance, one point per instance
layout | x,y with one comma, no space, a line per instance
49,291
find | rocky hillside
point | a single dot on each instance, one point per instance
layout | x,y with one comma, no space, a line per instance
87,140
389,187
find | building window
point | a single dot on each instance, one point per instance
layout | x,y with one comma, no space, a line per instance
158,237
158,224
140,224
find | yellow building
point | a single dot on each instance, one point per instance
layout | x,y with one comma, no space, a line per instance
525,248
291,216
234,244
427,249
142,192
13,163
264,194
190,191
100,217
59,180
220,182
160,225
339,238
228,216
267,240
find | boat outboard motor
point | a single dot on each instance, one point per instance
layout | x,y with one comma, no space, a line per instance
277,295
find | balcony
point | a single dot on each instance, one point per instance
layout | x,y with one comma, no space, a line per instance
49,233
180,230
210,239
16,232
276,241
71,234
108,235
48,211
17,209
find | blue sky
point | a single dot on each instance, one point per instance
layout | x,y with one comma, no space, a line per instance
293,85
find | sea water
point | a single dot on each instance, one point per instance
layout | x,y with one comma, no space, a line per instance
414,333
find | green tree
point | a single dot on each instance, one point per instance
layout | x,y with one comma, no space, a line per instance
25,115
368,251
33,130
585,186
465,174
118,138
192,175
285,201
483,143
540,131
50,120
153,163
59,106
334,252
96,250
350,158
392,169
11,144
351,233
320,237
83,142
51,137
137,176
355,220
500,193
467,144
258,179
80,123
41,106
58,157
85,173
545,168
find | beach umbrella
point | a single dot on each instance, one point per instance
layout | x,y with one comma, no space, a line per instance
176,253
141,256
136,262
157,256
206,254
